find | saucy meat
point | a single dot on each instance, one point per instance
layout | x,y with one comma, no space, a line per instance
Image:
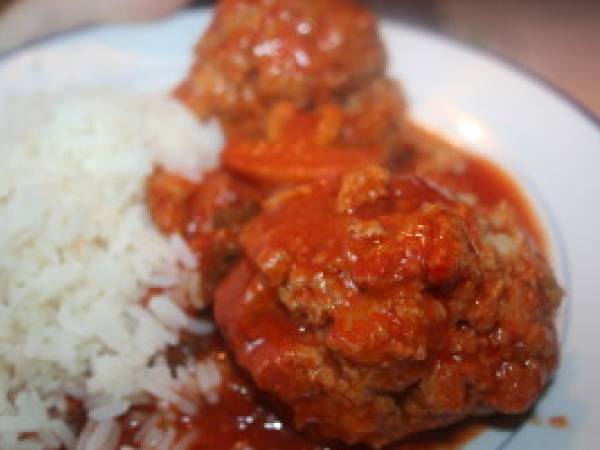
258,53
371,283
242,419
298,146
301,146
375,306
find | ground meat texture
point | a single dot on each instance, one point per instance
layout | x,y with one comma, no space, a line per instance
257,53
331,139
376,114
300,146
375,306
209,214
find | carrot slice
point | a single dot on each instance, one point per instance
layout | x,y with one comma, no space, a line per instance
298,160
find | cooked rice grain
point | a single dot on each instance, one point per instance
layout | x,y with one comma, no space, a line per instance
77,253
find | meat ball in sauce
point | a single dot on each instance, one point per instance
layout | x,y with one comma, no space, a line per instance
302,145
374,306
258,53
299,146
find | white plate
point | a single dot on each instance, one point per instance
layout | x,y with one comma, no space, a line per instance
548,144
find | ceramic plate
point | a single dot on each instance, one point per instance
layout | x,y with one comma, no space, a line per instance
550,146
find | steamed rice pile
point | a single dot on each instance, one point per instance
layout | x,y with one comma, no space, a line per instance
78,252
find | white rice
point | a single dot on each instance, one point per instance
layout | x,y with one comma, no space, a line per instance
77,253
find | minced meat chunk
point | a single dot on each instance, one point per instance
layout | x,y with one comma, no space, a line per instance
257,53
375,306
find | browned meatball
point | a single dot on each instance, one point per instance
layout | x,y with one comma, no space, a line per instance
375,306
257,53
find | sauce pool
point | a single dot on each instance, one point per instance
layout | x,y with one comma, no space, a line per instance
478,175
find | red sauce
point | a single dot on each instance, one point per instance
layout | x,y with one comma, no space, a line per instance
492,186
244,419
558,421
478,175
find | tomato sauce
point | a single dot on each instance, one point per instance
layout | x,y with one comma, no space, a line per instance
246,419
478,175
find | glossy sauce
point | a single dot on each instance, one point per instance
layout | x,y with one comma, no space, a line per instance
478,175
244,419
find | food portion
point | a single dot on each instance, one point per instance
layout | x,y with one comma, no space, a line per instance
91,293
375,306
300,147
257,53
334,278
374,297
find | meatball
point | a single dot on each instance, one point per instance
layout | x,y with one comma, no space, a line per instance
375,306
257,53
